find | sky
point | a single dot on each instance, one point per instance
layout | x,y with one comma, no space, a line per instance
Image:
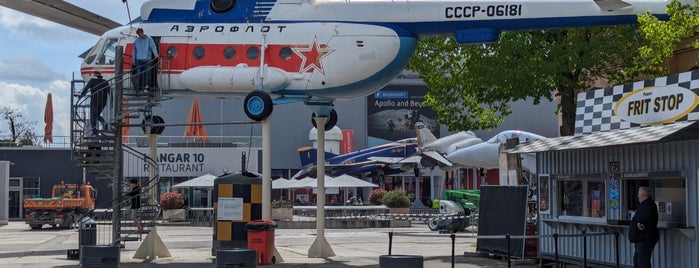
38,57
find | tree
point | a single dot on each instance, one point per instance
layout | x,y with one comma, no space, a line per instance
19,128
471,86
662,37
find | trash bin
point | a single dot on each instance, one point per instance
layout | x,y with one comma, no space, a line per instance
87,234
261,238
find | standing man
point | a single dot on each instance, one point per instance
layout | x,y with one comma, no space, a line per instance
99,91
135,196
643,229
144,51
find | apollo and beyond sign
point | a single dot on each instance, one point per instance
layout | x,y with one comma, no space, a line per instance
656,105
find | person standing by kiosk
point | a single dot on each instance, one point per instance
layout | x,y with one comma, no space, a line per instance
643,229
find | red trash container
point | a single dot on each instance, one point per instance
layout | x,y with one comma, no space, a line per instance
261,238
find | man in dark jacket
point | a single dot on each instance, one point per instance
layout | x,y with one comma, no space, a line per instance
643,229
99,91
135,196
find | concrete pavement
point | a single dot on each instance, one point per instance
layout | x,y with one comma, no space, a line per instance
191,247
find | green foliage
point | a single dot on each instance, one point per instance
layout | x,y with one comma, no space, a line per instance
471,86
171,200
396,199
282,204
661,38
376,195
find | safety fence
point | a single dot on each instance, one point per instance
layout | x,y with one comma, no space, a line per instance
583,236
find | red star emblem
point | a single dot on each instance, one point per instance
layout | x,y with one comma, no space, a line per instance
312,56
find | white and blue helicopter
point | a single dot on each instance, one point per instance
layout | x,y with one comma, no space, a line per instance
315,51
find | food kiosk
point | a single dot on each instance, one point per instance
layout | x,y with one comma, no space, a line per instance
627,136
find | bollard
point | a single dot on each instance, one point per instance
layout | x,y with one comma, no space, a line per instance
616,241
390,242
584,249
453,242
509,251
555,248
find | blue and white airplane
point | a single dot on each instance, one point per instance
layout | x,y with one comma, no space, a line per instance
357,162
315,51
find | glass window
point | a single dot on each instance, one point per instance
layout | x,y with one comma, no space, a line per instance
669,195
253,53
229,53
285,53
198,52
171,52
582,198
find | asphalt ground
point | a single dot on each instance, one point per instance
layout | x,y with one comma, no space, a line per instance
191,247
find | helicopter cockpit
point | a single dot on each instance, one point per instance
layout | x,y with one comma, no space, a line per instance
103,53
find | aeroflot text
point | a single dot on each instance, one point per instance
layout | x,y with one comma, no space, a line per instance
480,11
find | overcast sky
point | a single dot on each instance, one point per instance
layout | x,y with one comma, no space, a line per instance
38,57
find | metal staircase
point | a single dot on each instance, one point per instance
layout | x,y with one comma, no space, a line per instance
101,155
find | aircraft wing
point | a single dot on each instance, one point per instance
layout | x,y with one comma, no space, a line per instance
437,157
64,13
611,5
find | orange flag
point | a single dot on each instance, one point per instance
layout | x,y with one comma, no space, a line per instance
48,119
195,131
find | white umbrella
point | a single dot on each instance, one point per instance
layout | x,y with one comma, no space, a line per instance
346,181
203,181
281,183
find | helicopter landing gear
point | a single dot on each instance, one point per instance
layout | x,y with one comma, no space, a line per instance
258,105
329,124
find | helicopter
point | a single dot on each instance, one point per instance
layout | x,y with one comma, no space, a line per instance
313,51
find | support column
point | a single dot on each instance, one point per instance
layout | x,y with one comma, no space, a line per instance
320,247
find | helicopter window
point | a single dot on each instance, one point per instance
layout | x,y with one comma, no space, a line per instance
220,6
106,51
229,53
199,52
285,53
171,52
252,53
93,52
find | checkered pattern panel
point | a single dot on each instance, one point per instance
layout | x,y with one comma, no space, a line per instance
595,109
602,139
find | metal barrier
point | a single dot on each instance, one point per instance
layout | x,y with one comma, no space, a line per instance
201,216
509,237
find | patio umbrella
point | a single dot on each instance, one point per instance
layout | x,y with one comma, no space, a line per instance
48,119
195,131
203,181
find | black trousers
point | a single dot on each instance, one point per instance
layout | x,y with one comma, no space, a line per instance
644,250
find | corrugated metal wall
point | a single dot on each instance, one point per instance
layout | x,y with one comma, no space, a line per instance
675,249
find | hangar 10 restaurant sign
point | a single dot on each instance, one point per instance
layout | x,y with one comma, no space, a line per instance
191,162
656,105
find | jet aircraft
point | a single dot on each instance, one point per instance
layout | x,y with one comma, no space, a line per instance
431,151
315,51
487,154
357,162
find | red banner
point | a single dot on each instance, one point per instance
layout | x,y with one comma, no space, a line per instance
347,141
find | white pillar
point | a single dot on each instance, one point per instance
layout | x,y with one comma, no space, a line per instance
320,247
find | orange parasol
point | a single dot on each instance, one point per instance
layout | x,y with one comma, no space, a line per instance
48,119
195,131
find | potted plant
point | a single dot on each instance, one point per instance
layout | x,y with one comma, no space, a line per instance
376,195
171,203
397,201
282,210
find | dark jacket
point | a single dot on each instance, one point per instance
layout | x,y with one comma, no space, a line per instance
99,89
647,214
135,195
